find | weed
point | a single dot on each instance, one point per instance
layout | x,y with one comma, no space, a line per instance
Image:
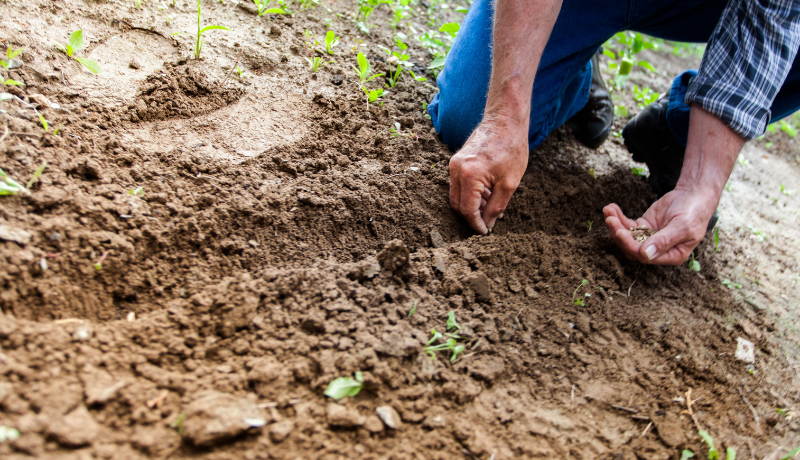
450,344
579,301
694,265
716,239
342,387
413,309
200,31
241,74
730,284
177,425
8,434
374,94
639,172
451,321
36,175
74,44
331,40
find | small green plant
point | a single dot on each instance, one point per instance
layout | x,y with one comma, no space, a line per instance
758,234
74,44
730,284
261,8
11,53
792,454
402,60
639,172
785,191
331,40
686,454
628,44
413,309
713,453
99,264
364,69
9,186
430,40
316,62
345,386
450,344
620,111
579,301
137,4
589,223
36,175
177,425
694,265
241,74
451,321
716,239
138,191
417,78
644,96
8,434
200,31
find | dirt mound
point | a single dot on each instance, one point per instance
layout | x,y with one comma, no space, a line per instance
180,92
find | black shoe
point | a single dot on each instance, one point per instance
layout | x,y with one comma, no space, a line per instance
593,123
650,140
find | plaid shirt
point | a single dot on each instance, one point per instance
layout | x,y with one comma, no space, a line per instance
746,62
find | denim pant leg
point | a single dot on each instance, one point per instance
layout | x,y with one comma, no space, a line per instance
562,81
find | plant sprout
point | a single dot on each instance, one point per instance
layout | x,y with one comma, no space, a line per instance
8,434
177,425
74,44
316,62
579,301
716,239
200,31
11,53
792,454
451,344
331,40
9,186
413,309
451,321
36,175
364,69
686,454
345,386
632,43
713,453
693,264
262,8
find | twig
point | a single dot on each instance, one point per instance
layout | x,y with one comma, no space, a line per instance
752,409
689,403
626,409
235,65
646,429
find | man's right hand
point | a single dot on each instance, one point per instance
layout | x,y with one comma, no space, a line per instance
487,170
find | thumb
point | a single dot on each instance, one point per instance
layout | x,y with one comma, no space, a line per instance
496,205
660,244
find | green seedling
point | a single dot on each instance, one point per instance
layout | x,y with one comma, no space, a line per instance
792,454
137,4
629,44
364,69
8,434
311,42
451,321
374,94
694,265
261,8
417,78
396,131
316,62
788,128
177,425
74,44
579,301
713,453
731,285
589,222
11,53
716,239
686,454
413,309
644,96
99,264
639,172
36,175
785,191
241,74
450,344
9,186
345,386
331,40
138,191
200,31
620,111
730,453
759,235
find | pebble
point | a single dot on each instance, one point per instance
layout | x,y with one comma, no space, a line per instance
437,240
343,417
373,424
745,350
281,430
215,417
16,235
389,416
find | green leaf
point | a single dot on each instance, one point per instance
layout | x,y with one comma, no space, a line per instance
8,434
686,454
450,28
6,96
462,9
620,111
343,386
647,66
13,82
179,33
609,53
792,454
275,11
436,334
76,40
204,29
438,62
363,65
730,454
45,125
625,66
457,350
713,454
89,64
451,321
12,54
36,175
70,51
414,308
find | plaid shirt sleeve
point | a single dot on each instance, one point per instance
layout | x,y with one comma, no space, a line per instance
746,61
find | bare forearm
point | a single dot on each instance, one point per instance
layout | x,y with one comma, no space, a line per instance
711,151
521,31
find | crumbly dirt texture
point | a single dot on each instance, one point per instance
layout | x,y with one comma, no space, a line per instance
198,261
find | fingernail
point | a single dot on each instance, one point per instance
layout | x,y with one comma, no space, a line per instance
651,251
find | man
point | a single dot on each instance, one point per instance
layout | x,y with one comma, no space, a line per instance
521,68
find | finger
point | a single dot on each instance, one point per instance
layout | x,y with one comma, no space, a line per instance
483,204
623,238
470,205
486,194
614,210
455,190
501,195
658,249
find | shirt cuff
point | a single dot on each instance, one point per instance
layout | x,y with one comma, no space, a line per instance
724,102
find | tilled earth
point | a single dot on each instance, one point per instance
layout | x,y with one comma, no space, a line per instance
198,261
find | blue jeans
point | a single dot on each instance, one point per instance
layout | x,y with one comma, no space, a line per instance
564,76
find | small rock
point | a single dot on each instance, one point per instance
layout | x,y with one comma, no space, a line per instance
531,292
343,417
437,240
16,235
215,417
134,65
745,350
389,416
434,421
75,429
281,430
373,424
479,284
394,256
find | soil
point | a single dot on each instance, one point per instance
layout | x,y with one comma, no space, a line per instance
198,261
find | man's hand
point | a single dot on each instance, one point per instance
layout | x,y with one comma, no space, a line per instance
487,170
682,215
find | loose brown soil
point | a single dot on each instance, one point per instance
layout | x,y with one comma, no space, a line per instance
281,238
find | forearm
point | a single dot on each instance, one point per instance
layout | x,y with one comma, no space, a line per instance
521,31
710,155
